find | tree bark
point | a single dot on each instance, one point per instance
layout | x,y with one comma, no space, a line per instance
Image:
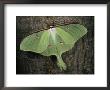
79,60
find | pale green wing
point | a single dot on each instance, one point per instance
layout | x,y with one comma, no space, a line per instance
75,30
36,42
65,36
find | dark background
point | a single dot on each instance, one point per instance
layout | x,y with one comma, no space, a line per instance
79,60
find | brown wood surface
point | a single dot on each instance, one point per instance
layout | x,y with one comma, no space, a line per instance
79,60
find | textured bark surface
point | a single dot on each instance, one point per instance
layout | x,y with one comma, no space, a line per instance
79,60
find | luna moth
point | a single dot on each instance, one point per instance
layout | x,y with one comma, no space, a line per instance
54,41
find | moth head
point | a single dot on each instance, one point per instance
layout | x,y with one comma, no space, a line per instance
51,26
